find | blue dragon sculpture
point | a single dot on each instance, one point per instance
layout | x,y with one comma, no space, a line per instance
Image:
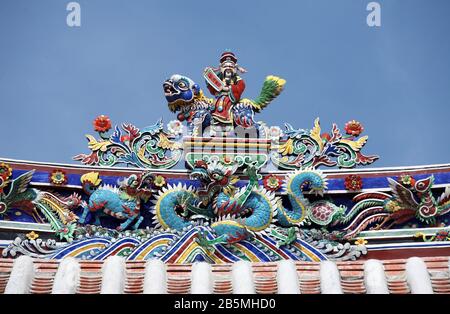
185,96
123,202
238,213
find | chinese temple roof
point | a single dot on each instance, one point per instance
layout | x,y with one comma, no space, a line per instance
217,193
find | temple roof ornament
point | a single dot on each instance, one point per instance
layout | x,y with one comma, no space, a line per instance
215,184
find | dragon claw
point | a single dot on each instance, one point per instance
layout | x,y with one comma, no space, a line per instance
283,238
203,241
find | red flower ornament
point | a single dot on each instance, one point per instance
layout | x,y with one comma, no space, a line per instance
354,128
272,182
102,124
353,183
407,180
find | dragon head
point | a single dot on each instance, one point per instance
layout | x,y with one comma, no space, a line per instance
200,171
214,175
138,185
213,172
180,91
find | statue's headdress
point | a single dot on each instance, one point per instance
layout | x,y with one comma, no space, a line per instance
228,57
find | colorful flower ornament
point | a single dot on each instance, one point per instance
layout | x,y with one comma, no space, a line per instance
361,241
5,171
275,133
102,124
272,182
32,235
354,128
353,183
58,177
175,127
160,181
407,180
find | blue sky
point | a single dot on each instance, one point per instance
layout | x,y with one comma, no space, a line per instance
54,80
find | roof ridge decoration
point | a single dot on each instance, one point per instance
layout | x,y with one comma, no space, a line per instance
223,127
225,210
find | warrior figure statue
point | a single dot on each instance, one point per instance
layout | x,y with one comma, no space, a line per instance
226,86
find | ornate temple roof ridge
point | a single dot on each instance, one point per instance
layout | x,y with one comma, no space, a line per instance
385,169
215,185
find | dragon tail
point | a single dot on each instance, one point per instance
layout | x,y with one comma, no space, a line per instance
296,182
272,87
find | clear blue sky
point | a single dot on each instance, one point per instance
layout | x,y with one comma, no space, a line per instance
54,80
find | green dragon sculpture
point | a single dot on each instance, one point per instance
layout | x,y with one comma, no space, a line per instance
238,213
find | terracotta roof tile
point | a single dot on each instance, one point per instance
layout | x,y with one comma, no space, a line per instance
265,276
